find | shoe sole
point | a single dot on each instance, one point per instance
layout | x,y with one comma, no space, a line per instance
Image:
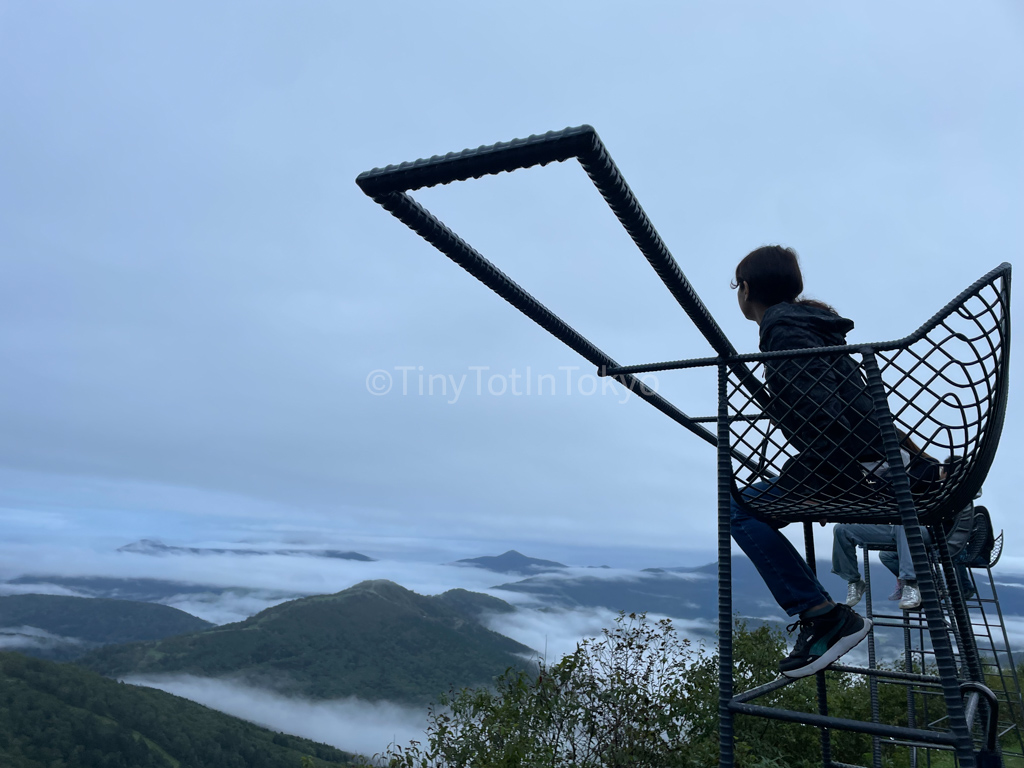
832,655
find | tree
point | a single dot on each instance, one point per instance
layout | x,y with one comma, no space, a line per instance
637,696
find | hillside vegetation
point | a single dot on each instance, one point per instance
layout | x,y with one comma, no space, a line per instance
642,696
376,640
60,716
92,622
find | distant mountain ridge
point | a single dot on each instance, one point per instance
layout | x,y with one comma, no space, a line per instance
684,592
74,625
154,547
141,589
376,640
513,563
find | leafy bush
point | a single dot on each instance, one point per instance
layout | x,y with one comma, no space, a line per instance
640,696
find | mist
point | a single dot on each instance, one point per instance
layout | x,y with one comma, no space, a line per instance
24,638
349,724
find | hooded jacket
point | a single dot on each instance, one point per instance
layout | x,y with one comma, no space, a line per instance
820,403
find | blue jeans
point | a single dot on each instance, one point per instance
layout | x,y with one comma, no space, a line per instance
791,581
847,536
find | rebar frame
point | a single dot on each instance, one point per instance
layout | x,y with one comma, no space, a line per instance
945,385
981,645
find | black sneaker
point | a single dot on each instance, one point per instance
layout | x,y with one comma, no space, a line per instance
823,639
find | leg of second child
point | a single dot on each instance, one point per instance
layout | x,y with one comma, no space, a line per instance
846,537
910,597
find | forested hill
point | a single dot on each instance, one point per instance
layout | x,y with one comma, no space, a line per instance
376,640
60,715
78,624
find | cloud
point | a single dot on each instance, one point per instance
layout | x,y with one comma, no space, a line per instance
350,724
32,637
554,633
1014,630
252,404
265,579
38,589
227,607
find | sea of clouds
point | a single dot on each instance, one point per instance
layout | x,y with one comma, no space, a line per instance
229,587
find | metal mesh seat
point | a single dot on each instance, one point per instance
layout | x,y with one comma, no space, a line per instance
945,386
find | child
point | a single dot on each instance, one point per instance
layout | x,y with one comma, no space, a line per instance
847,536
845,539
822,411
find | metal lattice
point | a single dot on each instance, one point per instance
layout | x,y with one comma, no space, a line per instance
944,387
981,643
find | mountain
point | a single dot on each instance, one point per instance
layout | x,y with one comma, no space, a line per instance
474,604
58,627
153,547
376,640
61,715
682,593
142,590
691,595
512,562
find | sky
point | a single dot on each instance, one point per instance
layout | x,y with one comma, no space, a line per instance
200,311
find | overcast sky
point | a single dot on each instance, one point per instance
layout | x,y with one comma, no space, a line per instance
197,299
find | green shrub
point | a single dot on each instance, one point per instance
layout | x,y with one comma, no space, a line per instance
640,696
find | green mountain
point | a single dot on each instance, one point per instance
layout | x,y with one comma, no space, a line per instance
473,603
58,715
376,640
72,626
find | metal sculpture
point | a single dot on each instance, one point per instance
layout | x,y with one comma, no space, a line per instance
945,385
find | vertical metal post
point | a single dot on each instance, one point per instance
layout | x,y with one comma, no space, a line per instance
876,744
937,630
908,656
961,618
826,737
1015,704
726,735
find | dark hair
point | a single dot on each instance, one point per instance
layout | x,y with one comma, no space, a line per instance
911,447
773,276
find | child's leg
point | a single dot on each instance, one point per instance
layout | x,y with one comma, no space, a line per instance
790,579
847,536
906,562
844,553
891,560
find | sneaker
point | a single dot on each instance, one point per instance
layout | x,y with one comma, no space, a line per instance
854,592
898,592
911,598
823,639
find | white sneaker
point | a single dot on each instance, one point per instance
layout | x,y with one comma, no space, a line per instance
854,592
898,592
911,598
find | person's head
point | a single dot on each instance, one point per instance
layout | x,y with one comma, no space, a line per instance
769,275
